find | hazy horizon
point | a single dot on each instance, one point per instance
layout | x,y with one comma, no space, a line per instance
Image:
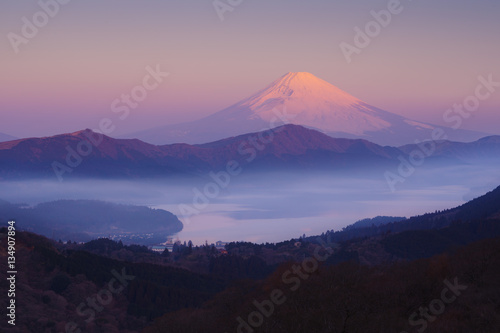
271,207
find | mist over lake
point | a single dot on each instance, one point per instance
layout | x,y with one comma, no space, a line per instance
270,207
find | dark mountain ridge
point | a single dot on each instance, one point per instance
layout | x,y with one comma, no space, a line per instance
87,154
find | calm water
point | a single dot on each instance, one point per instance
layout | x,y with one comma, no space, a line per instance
271,208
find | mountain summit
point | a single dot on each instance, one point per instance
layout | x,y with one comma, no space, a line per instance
318,104
302,99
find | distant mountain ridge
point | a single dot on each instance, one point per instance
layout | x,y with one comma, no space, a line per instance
301,99
5,137
285,147
376,221
484,148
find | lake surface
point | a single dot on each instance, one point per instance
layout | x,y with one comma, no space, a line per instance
271,207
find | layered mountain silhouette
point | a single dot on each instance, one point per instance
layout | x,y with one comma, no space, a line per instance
5,137
302,99
484,208
287,147
486,148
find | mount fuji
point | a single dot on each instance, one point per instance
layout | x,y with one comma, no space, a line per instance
302,99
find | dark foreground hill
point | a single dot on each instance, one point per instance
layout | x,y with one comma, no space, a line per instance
455,292
57,286
440,276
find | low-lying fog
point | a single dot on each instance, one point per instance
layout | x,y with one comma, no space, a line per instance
272,207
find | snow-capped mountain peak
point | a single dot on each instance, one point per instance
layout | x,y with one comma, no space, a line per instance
315,103
307,101
302,85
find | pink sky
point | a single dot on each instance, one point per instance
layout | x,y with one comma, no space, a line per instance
66,77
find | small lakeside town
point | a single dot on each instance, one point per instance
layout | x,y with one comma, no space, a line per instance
170,243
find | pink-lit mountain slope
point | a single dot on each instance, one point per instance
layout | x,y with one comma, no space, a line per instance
288,147
302,99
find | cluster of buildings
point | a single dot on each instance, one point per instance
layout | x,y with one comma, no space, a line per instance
169,244
221,247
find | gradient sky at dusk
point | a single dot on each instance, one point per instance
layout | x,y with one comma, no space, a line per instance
91,52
